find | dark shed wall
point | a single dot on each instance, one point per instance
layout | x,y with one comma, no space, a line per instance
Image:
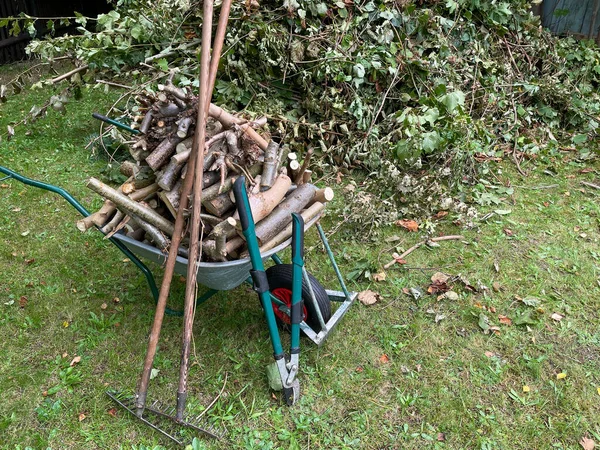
576,17
12,48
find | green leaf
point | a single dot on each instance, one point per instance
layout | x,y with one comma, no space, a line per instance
532,301
452,100
136,32
431,141
484,322
502,212
579,138
163,64
80,19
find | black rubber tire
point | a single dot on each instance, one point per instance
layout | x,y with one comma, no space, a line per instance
280,276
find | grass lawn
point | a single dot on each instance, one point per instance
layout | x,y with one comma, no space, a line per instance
405,372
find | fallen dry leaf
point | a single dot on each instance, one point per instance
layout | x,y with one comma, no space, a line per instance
504,320
587,443
103,306
439,277
441,437
75,360
112,412
81,416
557,317
526,388
451,295
29,261
508,232
384,359
410,225
489,354
587,170
116,300
368,297
496,286
23,302
440,215
379,276
359,369
560,376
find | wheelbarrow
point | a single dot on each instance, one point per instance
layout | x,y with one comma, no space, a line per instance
275,288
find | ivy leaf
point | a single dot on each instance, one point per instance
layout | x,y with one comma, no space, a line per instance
163,64
452,100
431,141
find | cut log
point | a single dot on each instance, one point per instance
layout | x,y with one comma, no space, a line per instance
300,175
172,197
130,206
228,227
144,193
137,234
229,120
215,190
145,126
162,152
218,206
262,203
184,146
170,175
183,127
308,214
268,228
119,215
293,168
269,171
129,169
323,195
282,157
152,233
99,218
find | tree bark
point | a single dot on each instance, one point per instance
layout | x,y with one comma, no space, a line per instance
269,171
215,190
146,122
264,202
267,228
218,206
183,127
153,233
130,206
170,175
161,153
172,198
308,214
300,175
324,195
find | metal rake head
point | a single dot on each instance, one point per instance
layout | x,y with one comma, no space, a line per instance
162,419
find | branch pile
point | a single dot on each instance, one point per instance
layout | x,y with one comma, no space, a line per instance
145,206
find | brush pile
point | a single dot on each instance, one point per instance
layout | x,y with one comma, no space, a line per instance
145,206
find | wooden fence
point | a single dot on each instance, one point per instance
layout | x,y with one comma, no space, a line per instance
579,18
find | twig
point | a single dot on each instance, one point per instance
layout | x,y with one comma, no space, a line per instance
592,185
68,74
111,83
419,244
215,399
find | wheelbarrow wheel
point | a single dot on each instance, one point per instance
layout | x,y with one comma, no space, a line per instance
280,284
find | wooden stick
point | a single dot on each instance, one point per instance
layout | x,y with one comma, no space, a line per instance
155,235
229,120
119,215
300,175
197,225
269,171
219,205
592,185
419,244
69,74
170,175
130,206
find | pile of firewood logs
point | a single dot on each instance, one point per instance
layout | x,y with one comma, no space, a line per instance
145,206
